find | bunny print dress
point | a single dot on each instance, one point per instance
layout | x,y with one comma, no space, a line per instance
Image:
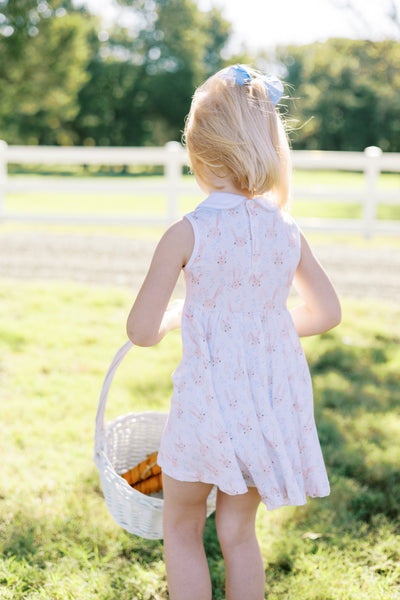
242,407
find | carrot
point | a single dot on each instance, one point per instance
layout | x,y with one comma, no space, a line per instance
151,485
147,468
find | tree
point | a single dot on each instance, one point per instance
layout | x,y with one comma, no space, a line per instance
44,53
141,83
348,94
63,80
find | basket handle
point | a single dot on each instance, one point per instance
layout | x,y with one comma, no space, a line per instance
100,429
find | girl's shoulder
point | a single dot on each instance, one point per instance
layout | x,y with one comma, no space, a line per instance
178,240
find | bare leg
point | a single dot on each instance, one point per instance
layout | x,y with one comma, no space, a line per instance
184,519
235,520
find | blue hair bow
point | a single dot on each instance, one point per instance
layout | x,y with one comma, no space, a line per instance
241,76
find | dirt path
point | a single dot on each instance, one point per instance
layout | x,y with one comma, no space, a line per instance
112,260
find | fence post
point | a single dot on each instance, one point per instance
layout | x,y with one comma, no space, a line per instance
173,173
371,173
3,178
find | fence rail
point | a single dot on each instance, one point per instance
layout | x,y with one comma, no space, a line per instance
172,157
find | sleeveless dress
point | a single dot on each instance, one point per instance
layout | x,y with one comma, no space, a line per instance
242,406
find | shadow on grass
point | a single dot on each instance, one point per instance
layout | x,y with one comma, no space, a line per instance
357,394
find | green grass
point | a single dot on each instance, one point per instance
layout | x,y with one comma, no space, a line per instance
57,540
138,204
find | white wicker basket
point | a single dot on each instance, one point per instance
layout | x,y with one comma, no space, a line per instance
119,446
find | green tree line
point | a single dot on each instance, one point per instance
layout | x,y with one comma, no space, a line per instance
65,80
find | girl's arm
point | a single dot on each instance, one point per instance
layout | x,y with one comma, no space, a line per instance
151,317
320,309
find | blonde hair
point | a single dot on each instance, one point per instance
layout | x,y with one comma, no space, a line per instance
235,131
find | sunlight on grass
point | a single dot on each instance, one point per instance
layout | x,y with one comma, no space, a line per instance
57,540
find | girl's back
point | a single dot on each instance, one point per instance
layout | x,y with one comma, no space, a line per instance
245,255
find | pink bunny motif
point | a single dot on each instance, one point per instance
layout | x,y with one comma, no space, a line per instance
270,304
212,469
298,349
171,458
220,437
226,326
254,339
215,232
297,404
255,280
251,372
260,414
195,279
278,396
197,378
215,359
210,399
209,334
180,445
189,315
199,415
198,256
256,250
180,386
278,259
236,281
179,410
271,345
222,258
210,303
232,400
239,369
307,473
252,209
273,444
266,467
225,461
245,427
197,349
292,239
308,426
275,492
240,240
271,233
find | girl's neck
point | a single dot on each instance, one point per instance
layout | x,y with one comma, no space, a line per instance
220,184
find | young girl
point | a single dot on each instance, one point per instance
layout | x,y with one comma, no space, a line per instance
241,414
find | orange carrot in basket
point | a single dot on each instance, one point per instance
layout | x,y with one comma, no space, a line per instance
151,485
147,468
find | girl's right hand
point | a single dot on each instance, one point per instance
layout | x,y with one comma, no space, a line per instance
173,316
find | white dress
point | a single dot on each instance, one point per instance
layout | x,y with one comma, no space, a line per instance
242,406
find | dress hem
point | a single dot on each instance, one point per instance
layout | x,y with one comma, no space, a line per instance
269,506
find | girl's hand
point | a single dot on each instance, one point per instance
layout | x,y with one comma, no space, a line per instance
173,316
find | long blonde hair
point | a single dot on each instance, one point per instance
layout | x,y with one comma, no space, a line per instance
235,131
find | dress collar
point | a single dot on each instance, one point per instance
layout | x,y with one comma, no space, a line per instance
227,200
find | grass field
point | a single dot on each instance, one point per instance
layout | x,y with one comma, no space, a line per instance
57,540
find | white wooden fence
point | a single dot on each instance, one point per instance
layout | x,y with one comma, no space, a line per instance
371,162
